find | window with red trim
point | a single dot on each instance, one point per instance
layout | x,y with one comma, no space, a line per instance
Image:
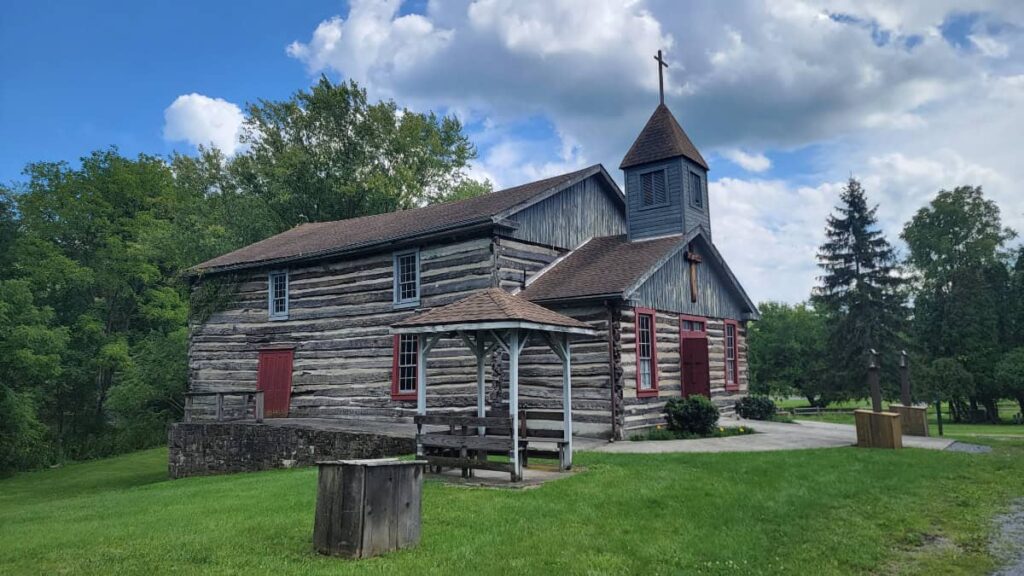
732,377
404,366
646,355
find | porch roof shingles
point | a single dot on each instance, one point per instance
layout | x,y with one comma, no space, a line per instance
604,266
313,239
490,305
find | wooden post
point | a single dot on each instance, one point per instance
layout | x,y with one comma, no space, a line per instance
873,384
566,403
513,401
220,406
481,408
259,406
938,414
367,507
421,374
188,408
905,396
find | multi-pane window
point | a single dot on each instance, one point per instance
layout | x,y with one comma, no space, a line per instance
730,355
693,326
407,278
277,295
646,355
403,381
653,188
696,190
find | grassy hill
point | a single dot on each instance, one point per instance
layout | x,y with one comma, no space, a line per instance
839,511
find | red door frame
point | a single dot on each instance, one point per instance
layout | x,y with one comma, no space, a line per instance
277,399
691,335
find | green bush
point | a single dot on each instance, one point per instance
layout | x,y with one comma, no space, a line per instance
693,415
755,408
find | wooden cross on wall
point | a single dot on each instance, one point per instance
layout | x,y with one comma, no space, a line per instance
661,78
693,258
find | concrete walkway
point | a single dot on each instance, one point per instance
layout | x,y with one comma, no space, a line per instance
770,436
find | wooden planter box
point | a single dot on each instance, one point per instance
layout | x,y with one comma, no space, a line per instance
367,507
878,429
913,419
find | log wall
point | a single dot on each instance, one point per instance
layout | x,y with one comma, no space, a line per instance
641,413
339,318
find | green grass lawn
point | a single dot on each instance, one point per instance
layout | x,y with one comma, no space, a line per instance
837,511
1006,412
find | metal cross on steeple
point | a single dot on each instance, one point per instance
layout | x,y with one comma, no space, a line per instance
661,77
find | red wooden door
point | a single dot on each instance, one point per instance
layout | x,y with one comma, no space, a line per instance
274,378
696,375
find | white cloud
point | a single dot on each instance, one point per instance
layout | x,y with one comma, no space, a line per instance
869,87
989,46
201,120
749,162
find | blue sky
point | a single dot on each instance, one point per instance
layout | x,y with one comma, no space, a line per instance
785,99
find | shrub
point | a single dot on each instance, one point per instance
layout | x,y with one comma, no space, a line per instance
755,408
693,415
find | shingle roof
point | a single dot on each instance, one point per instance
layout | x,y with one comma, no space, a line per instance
490,305
603,266
319,238
661,138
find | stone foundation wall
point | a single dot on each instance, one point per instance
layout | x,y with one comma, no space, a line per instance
201,449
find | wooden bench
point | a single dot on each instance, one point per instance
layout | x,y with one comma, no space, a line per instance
467,443
255,395
552,436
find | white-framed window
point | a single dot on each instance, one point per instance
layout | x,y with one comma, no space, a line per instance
277,295
653,188
731,369
696,190
404,377
407,278
646,354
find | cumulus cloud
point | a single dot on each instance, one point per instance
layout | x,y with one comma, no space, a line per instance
910,97
749,162
204,121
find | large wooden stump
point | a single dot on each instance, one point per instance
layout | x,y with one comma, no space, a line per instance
878,429
367,507
913,419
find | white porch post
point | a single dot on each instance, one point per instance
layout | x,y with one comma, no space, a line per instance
421,373
567,401
481,353
513,397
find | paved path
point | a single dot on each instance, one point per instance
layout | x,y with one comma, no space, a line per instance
771,436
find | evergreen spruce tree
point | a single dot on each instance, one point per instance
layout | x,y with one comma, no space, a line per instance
862,296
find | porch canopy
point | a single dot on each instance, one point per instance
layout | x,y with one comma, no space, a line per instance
491,319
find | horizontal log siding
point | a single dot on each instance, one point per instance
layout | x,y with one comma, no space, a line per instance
540,374
339,318
517,261
646,412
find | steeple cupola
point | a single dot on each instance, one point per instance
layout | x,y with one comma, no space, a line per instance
666,179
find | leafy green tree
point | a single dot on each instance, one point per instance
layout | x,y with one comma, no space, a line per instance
8,231
31,350
1010,376
956,252
861,294
946,379
329,154
786,351
95,248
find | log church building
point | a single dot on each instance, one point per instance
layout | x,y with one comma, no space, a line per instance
311,311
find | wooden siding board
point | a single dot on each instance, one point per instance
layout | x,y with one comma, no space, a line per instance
566,220
669,289
660,220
